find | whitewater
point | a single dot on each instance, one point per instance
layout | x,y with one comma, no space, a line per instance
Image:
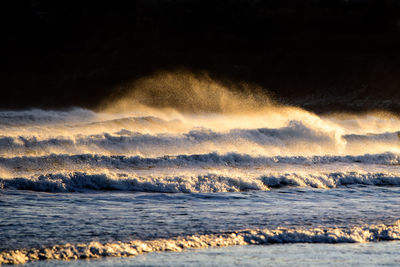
184,162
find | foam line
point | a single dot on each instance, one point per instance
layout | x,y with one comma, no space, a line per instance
356,234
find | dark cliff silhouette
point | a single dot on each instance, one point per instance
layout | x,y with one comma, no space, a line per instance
61,53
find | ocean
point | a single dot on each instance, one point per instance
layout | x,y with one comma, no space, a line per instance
276,185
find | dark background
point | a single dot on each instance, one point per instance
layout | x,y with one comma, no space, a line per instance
324,55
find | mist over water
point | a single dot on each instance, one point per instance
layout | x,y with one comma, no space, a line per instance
182,113
189,93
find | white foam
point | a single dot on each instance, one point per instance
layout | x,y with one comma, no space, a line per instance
169,184
289,138
189,183
296,139
359,234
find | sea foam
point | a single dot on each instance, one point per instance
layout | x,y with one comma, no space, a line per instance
211,182
360,234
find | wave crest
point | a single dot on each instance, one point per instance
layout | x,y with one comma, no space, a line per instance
77,182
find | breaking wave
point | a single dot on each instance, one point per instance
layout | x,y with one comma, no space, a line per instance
293,139
359,234
197,160
236,142
78,182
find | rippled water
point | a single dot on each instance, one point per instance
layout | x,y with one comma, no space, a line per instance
31,219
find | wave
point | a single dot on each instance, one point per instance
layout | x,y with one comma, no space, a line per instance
295,138
355,234
273,130
78,182
124,142
43,117
29,163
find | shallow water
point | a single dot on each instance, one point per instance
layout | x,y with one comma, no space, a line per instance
370,254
